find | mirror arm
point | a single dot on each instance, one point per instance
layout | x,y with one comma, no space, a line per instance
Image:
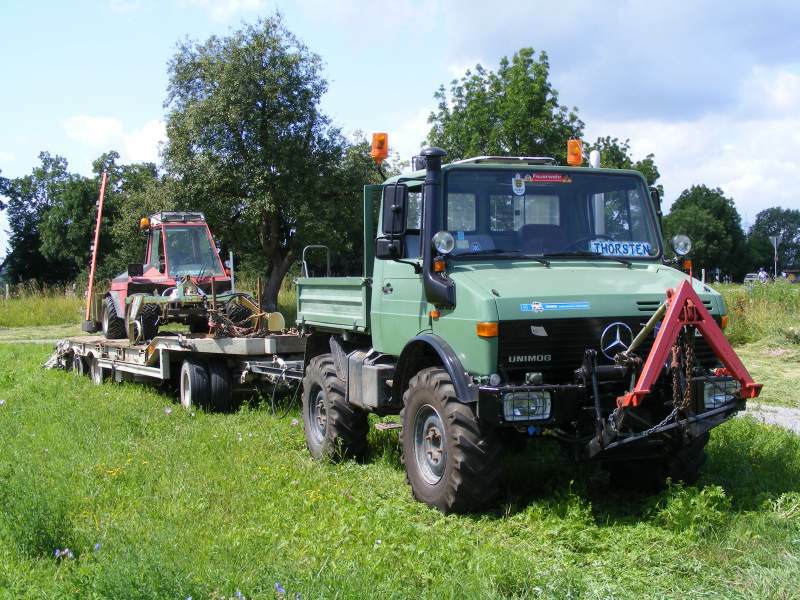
416,265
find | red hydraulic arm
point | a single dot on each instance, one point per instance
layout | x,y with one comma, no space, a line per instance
684,307
96,244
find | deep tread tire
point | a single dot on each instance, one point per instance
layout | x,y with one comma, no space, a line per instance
220,384
472,459
113,324
195,387
345,432
148,317
650,475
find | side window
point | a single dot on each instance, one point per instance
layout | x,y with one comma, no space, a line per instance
156,255
461,212
414,214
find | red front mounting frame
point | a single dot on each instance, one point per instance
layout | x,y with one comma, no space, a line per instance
684,307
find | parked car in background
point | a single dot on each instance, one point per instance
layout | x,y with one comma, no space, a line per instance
751,278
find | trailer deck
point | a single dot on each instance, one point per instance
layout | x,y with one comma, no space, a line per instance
232,364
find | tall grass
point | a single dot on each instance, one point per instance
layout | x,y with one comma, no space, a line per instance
763,311
32,304
157,502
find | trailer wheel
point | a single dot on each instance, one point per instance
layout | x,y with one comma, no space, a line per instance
650,475
195,387
96,372
220,384
78,365
113,325
452,462
334,429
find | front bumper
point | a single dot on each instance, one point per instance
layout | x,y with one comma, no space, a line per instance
566,402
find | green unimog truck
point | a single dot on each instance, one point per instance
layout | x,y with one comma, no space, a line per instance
499,302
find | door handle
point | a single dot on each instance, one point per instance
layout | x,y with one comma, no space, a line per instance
387,288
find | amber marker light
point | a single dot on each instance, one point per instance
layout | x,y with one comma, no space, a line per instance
434,314
144,223
439,266
574,153
487,329
723,322
380,147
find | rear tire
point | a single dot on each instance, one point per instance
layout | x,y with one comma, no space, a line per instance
452,463
79,365
96,372
333,428
220,385
113,325
195,385
145,327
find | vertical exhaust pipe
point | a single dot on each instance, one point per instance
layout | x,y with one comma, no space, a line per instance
439,290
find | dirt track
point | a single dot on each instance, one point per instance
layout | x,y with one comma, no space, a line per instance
789,418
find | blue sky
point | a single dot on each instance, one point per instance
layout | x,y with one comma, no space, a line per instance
711,88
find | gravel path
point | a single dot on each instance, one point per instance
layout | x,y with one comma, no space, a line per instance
788,418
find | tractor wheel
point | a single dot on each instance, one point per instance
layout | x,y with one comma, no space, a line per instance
452,462
96,372
195,387
113,324
148,318
650,475
79,365
220,385
334,429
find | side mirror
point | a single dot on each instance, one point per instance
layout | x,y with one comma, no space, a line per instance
135,270
395,207
388,248
656,198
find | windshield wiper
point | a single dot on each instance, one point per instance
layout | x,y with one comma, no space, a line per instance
499,252
583,253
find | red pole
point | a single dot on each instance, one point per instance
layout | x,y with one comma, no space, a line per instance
90,291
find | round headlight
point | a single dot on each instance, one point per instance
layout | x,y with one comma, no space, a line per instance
681,244
444,242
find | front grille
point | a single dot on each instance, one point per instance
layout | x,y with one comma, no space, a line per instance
650,306
555,347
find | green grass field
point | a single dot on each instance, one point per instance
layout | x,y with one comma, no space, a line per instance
202,505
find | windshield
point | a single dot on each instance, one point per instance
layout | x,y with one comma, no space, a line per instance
549,213
189,252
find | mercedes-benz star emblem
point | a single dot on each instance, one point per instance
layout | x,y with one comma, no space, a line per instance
615,338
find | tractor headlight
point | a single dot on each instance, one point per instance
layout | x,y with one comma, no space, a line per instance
444,242
719,392
681,244
526,406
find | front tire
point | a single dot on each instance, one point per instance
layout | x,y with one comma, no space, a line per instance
452,462
333,428
113,325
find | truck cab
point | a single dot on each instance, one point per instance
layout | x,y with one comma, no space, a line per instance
498,301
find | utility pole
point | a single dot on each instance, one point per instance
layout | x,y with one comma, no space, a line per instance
775,239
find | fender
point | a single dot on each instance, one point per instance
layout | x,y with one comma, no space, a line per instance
425,344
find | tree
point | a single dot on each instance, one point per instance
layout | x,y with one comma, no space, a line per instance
712,222
513,111
248,144
783,222
617,155
29,198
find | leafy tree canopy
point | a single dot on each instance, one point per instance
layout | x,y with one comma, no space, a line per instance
712,222
783,222
617,155
249,144
512,111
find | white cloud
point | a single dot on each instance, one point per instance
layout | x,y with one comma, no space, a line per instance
104,133
125,6
223,10
6,156
407,131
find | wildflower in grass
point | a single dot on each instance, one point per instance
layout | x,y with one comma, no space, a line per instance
295,422
377,543
279,588
97,546
168,411
2,402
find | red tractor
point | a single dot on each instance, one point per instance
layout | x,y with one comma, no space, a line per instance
181,276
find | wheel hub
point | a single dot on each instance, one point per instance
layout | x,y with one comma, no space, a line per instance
429,444
319,416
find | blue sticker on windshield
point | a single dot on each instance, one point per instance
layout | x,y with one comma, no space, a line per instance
538,307
612,248
459,235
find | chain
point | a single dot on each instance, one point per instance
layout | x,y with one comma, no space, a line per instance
688,353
